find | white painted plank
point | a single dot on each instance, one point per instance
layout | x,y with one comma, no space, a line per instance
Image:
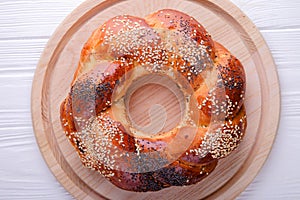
23,172
28,19
279,178
270,15
19,57
284,46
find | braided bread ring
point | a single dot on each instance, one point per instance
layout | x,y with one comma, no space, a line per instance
163,41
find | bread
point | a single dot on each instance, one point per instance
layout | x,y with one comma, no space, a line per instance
171,45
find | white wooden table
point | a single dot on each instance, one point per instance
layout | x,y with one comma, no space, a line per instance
25,27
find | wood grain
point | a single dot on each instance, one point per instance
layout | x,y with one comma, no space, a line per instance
24,34
228,26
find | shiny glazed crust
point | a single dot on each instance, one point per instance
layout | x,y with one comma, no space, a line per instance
105,58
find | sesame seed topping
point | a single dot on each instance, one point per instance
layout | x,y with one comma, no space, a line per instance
102,142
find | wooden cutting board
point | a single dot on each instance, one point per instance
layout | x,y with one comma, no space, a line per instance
227,25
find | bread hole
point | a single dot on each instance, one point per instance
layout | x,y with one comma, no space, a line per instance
154,108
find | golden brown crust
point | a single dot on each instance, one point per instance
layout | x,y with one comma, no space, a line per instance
184,24
229,90
98,47
173,175
233,75
227,135
89,101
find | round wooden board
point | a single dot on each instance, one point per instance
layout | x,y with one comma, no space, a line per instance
227,25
